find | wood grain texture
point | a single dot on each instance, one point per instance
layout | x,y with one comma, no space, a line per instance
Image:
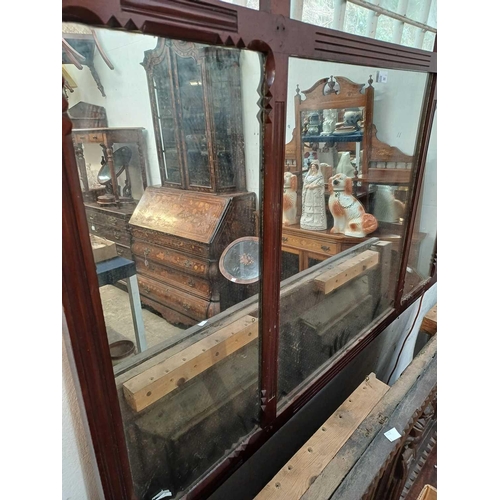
429,323
299,473
154,383
343,273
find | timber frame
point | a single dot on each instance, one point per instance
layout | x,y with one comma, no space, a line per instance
271,32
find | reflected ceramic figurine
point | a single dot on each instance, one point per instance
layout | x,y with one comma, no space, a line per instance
329,121
290,199
387,208
349,216
352,118
313,200
345,166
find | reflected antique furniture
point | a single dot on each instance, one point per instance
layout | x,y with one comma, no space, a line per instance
181,228
79,45
86,115
110,272
338,94
178,237
107,137
111,221
196,106
380,164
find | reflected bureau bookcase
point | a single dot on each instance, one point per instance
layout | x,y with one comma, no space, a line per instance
180,229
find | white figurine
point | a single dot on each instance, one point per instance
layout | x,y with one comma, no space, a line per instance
349,216
290,199
313,200
345,166
329,121
386,207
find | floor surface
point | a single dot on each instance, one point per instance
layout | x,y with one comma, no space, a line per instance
118,319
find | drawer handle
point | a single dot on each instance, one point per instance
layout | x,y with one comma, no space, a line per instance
94,137
325,248
146,253
117,235
186,307
191,282
284,240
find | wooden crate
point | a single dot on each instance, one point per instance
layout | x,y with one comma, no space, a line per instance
102,248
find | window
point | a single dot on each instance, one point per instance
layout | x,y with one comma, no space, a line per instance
201,314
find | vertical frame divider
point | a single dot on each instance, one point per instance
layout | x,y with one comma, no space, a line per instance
274,167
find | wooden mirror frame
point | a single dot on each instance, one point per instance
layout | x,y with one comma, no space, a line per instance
270,31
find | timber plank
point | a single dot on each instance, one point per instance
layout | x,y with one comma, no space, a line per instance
429,323
161,379
335,472
366,470
351,268
302,469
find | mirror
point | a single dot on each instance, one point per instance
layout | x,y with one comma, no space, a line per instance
121,158
333,137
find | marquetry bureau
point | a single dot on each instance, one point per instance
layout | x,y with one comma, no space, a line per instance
178,237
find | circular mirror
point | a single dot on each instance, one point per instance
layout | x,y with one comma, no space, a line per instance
239,262
121,159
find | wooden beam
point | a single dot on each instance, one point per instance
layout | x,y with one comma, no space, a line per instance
429,323
299,473
351,268
161,379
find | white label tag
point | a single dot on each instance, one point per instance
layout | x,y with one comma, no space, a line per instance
392,434
202,323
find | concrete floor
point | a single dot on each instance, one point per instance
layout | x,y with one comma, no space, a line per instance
118,319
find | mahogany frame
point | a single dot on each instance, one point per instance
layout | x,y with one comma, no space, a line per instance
271,32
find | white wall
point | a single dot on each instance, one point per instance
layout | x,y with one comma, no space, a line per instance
428,216
80,478
251,74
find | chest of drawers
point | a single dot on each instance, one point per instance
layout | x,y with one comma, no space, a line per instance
178,237
111,223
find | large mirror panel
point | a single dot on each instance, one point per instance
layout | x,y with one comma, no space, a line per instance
167,140
349,162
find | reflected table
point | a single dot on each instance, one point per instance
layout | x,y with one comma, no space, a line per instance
118,268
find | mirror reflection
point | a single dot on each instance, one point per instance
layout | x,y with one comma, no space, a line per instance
167,141
346,192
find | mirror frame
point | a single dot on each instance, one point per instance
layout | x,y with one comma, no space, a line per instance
271,32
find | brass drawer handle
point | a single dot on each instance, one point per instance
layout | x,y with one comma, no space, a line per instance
325,248
284,240
146,253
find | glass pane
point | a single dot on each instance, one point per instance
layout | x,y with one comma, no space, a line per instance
193,120
348,165
178,269
359,20
425,230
